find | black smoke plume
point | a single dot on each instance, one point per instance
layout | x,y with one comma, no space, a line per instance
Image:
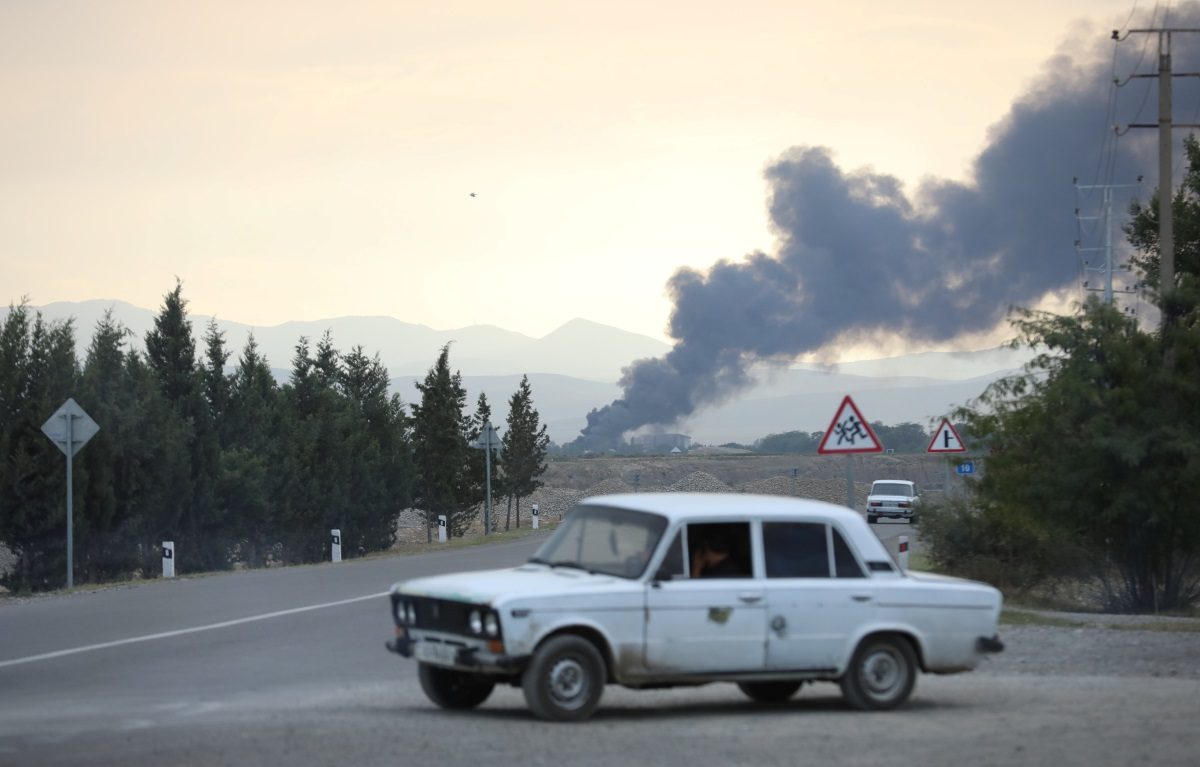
857,256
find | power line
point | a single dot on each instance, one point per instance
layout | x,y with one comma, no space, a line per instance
1166,235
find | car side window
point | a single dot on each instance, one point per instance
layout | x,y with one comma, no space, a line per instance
844,562
719,550
795,550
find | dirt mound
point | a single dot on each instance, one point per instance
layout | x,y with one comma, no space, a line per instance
830,490
700,482
611,486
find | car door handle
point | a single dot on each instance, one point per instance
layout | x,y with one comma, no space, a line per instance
749,598
861,597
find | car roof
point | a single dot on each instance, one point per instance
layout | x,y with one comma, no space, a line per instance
694,505
898,481
722,506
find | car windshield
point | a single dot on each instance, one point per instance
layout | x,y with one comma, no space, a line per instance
601,539
892,488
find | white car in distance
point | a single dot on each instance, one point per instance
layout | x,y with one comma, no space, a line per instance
681,589
893,499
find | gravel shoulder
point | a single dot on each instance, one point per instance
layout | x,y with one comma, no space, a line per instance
1106,645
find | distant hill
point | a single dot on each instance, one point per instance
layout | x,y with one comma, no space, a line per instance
580,348
575,369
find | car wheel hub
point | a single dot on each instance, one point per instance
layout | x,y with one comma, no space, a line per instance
568,683
881,673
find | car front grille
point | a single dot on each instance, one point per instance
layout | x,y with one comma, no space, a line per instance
442,615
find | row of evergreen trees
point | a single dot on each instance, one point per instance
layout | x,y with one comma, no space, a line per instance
231,466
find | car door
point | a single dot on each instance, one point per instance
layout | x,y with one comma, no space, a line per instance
818,595
705,625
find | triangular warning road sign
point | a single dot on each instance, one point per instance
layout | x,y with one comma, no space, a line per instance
849,432
946,440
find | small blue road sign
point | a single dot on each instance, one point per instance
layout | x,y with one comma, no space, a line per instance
966,467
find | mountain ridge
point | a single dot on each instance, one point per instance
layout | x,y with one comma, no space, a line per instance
575,368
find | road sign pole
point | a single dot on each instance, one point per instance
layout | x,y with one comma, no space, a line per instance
487,462
69,435
948,480
849,481
70,501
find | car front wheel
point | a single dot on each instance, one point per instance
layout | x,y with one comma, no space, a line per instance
769,692
565,679
881,674
454,689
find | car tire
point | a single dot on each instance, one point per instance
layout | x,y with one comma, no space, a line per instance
881,675
454,689
769,692
871,519
914,519
565,679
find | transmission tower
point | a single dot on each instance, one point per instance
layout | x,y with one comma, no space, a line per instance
1108,265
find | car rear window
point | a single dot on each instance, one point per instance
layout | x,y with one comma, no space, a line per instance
891,488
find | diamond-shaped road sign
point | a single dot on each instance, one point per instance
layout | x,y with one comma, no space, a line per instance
70,420
849,432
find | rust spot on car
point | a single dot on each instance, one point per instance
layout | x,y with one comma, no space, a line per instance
719,615
629,661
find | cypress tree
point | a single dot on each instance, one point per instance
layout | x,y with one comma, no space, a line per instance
525,444
42,375
440,447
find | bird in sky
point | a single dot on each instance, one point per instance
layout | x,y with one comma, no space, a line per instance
472,194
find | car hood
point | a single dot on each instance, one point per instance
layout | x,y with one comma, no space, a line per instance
489,586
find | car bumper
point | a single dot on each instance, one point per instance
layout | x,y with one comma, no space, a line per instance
990,644
891,513
456,653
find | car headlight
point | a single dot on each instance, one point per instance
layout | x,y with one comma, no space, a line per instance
491,625
475,622
410,613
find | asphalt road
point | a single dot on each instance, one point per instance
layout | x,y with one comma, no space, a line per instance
288,667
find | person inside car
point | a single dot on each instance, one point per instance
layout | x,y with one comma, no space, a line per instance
712,560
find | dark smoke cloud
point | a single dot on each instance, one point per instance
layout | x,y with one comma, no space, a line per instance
858,256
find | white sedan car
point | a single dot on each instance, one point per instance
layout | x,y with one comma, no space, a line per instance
670,589
894,499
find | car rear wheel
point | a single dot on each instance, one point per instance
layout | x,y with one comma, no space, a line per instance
769,692
454,689
565,679
871,518
881,674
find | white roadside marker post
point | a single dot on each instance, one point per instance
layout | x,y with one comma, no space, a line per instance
168,559
902,553
335,549
441,528
534,514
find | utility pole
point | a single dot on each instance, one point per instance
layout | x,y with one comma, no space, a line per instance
1106,216
1166,231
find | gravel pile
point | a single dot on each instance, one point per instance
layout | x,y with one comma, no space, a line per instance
553,503
611,486
830,490
700,482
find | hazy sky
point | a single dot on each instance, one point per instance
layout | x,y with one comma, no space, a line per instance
304,160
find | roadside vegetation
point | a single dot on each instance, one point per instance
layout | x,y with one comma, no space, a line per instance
226,463
1093,452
